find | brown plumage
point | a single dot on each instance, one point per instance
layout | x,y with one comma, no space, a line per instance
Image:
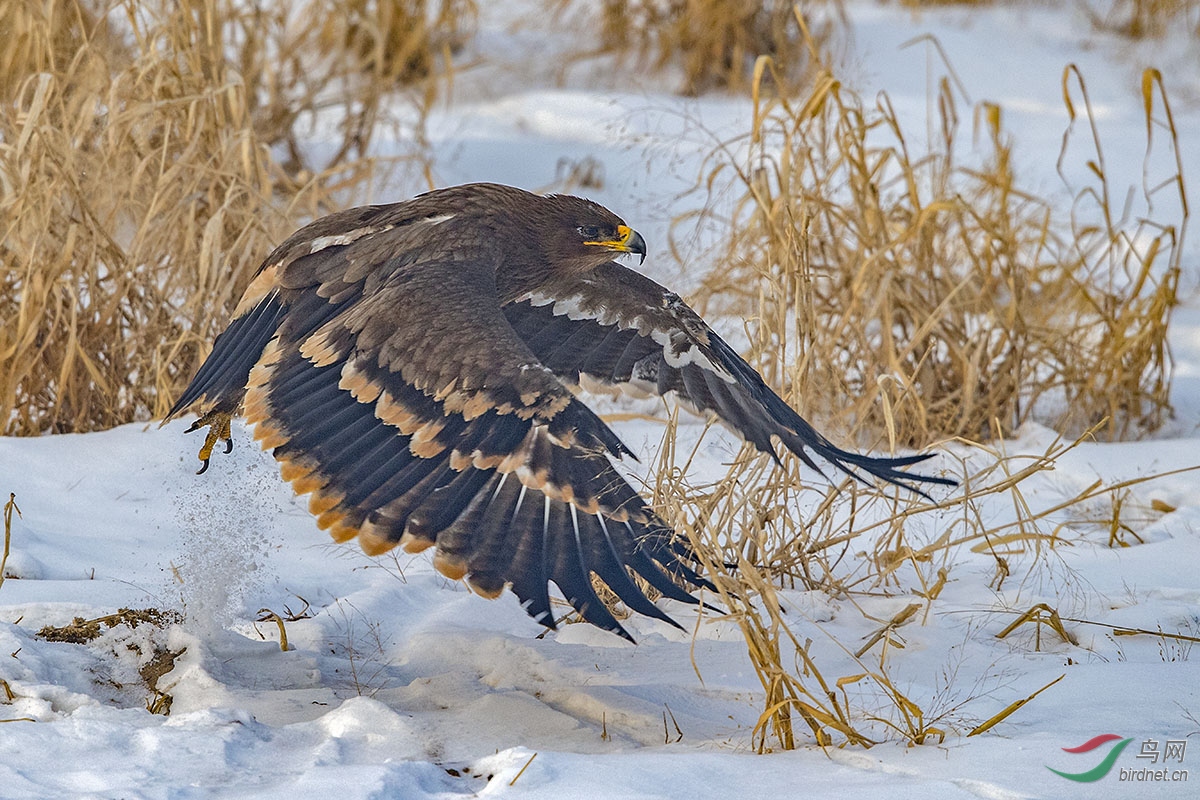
409,365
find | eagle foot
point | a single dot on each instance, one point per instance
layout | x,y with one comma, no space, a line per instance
218,422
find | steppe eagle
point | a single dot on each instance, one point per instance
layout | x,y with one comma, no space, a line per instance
411,367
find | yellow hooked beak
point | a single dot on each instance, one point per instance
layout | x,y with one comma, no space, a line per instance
628,241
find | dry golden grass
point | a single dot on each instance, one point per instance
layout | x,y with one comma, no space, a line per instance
912,299
1139,19
713,43
918,299
151,156
758,541
1136,19
9,508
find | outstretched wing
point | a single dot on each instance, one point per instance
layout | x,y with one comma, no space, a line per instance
617,328
389,385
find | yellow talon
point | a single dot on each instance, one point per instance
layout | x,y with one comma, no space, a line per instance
218,423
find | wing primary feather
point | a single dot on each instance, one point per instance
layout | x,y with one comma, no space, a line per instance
520,500
324,426
491,435
312,309
733,407
295,380
538,326
499,486
567,352
579,420
667,377
609,565
797,434
316,403
491,557
446,504
528,573
234,354
362,455
370,476
698,390
637,349
571,575
601,361
637,558
409,488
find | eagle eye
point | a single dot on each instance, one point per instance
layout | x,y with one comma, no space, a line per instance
590,233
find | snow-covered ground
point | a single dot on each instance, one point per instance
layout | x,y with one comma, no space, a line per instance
400,683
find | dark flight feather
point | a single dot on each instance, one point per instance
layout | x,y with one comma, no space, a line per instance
668,348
